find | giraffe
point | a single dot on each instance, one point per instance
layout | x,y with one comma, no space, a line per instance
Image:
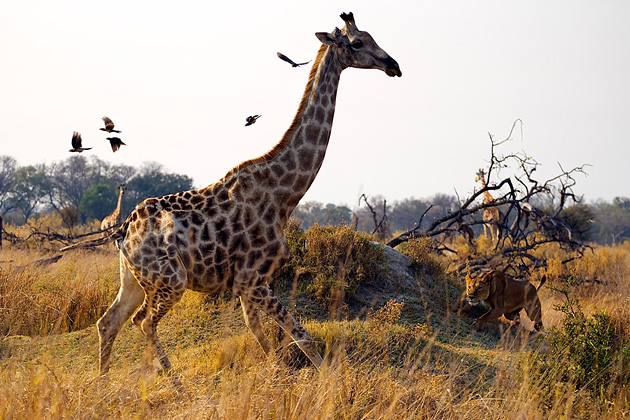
492,216
229,235
114,218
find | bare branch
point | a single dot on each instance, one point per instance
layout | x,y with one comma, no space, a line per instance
523,227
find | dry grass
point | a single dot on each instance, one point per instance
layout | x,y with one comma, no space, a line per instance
228,378
60,297
388,366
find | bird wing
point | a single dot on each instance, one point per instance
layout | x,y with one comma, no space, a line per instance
115,142
287,59
76,140
109,124
301,64
251,119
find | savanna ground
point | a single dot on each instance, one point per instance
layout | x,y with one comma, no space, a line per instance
393,349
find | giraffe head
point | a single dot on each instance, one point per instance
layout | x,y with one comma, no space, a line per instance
358,49
122,188
481,176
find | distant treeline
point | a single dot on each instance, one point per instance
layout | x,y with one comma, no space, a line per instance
601,222
81,189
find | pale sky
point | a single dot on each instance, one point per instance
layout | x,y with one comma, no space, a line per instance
179,78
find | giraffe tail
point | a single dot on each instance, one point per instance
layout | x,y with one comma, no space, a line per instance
114,236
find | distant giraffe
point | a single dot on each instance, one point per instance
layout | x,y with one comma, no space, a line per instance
114,218
492,216
229,235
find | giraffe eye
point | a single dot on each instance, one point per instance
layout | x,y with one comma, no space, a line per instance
356,44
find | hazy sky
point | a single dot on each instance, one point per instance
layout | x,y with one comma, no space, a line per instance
179,78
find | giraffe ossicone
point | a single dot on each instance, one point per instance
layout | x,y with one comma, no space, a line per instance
229,235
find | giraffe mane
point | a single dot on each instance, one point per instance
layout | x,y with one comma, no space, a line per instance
292,128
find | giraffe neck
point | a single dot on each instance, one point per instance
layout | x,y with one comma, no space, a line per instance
308,142
288,170
116,212
487,197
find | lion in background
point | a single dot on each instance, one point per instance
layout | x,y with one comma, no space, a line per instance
505,296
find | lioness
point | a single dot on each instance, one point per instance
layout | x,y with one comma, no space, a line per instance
505,296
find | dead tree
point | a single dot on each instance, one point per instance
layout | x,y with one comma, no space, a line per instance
41,237
381,227
524,226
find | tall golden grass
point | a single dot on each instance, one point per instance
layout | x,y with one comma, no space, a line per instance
386,365
65,296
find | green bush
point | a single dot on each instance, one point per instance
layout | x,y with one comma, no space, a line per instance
587,351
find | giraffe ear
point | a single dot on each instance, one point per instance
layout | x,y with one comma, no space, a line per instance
326,38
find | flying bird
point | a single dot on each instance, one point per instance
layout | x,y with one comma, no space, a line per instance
109,126
288,60
251,119
115,142
76,143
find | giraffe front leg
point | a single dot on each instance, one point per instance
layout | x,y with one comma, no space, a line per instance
262,298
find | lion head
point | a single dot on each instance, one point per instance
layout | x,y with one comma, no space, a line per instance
478,288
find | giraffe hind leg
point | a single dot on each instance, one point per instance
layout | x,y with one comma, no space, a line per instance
157,304
129,297
141,314
252,320
149,328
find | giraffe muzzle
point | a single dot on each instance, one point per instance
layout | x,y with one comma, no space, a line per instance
391,67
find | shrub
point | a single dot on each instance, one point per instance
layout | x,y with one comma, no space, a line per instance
421,252
331,262
588,352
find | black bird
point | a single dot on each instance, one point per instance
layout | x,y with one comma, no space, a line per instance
251,119
76,143
115,142
288,60
109,126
